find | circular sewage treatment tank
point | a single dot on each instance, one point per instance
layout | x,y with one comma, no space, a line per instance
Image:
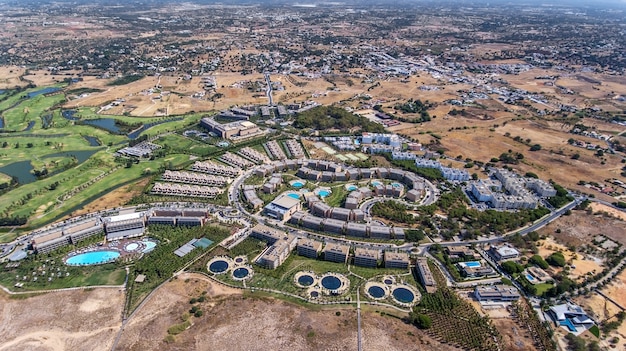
218,266
305,280
314,294
241,272
403,295
331,282
376,292
238,259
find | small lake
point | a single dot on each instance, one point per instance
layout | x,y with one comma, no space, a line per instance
93,141
2,91
1,122
104,123
69,115
20,170
81,155
42,91
30,126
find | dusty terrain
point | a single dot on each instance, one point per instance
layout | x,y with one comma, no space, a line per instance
69,320
232,321
581,227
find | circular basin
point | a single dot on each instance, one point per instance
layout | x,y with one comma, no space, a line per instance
131,247
305,280
403,295
219,266
376,292
241,272
331,282
314,294
297,184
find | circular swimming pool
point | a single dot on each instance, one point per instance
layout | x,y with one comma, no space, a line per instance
396,185
403,295
294,196
305,280
91,258
219,266
323,192
376,292
388,281
131,247
239,259
297,184
331,282
240,272
351,187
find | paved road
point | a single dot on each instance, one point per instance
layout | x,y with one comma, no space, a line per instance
268,92
358,321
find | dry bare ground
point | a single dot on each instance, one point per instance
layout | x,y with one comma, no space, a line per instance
232,321
68,320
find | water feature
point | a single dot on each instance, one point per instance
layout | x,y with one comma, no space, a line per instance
20,170
396,185
131,247
472,264
315,294
150,245
331,282
91,258
1,122
305,280
93,141
2,91
388,281
294,196
376,292
69,115
530,278
241,272
47,90
107,124
376,183
403,295
219,266
351,187
323,192
238,260
135,133
81,155
30,126
297,184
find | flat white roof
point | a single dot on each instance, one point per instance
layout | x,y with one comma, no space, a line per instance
127,216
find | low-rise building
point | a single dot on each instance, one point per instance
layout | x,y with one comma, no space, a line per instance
282,208
366,257
496,293
503,253
425,275
335,252
396,260
309,248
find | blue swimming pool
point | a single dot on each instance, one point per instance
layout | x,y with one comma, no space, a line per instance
375,183
376,292
396,185
323,192
472,264
297,184
568,324
351,187
91,258
150,245
294,196
403,295
331,283
530,278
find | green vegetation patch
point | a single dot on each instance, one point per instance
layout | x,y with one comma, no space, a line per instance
125,80
329,117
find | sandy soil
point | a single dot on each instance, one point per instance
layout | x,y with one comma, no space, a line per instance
10,77
234,322
69,320
597,207
580,228
583,264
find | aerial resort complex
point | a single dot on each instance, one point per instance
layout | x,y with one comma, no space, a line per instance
357,175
